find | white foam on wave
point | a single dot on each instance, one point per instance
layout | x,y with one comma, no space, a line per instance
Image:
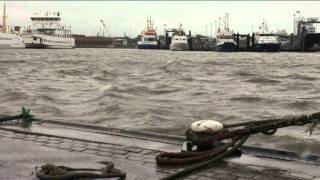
105,88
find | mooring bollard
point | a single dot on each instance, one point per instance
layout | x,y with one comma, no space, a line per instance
209,136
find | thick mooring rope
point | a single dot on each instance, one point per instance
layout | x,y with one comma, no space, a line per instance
52,172
234,145
167,158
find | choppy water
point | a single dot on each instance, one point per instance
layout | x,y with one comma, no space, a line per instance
158,90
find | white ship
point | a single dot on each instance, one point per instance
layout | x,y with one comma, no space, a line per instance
265,41
179,41
9,38
149,38
47,32
225,38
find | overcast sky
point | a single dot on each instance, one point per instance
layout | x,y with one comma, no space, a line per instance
130,16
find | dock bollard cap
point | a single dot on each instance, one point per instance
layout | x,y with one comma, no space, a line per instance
206,126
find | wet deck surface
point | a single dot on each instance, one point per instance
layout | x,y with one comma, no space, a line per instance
20,153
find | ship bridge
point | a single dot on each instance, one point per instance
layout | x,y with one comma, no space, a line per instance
49,23
46,20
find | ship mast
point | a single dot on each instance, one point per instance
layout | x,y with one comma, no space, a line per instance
4,19
264,26
149,24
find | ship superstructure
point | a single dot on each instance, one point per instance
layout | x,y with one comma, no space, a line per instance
306,35
47,32
149,38
179,41
265,41
9,38
225,37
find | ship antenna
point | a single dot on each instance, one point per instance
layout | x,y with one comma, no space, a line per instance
4,19
267,29
150,23
228,21
219,24
225,21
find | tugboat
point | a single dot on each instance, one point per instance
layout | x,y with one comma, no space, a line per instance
225,38
265,41
179,41
11,39
148,37
47,32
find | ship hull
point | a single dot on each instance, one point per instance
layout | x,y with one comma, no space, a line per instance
48,46
267,47
40,41
12,46
147,46
10,41
143,44
82,41
226,47
179,47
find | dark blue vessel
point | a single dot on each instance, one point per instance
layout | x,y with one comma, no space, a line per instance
226,47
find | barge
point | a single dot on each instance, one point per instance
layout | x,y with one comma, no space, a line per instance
82,41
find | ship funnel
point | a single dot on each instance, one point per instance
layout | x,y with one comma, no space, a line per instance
4,19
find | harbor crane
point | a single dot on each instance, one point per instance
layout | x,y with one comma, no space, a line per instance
105,28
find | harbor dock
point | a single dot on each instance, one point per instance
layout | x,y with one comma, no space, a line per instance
82,146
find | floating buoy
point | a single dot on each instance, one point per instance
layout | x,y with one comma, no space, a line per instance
206,126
